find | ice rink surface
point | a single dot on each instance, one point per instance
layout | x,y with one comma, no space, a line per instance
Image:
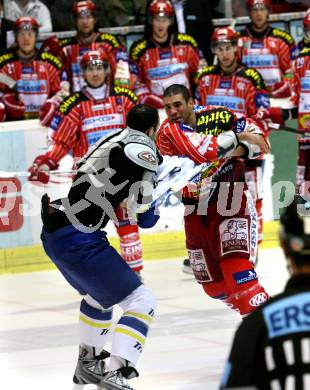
187,345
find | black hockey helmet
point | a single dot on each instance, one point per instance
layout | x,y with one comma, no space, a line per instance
295,231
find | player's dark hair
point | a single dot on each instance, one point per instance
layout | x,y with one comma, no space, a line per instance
142,117
178,89
294,237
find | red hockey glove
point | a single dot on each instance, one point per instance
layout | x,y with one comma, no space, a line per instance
39,171
152,100
51,45
48,110
274,114
282,89
2,112
14,108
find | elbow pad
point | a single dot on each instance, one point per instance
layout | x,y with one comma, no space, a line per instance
226,144
253,151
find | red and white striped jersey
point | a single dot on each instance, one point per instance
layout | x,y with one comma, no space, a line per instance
72,51
156,68
82,120
36,80
200,144
302,88
242,91
271,53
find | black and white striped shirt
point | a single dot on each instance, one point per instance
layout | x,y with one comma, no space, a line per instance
271,348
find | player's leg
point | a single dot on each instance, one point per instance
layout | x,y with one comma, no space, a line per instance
303,166
91,265
238,247
130,243
129,337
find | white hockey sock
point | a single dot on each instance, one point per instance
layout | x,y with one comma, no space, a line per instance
94,323
116,363
132,328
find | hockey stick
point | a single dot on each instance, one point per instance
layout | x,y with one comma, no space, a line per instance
278,127
7,174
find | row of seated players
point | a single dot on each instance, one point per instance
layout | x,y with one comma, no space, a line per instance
33,83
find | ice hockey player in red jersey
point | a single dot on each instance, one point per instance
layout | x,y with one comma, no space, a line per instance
163,57
269,50
301,98
221,230
30,86
83,118
88,38
240,88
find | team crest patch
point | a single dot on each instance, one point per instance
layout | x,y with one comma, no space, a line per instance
234,235
147,156
199,265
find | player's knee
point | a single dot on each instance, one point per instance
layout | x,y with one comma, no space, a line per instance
142,302
92,302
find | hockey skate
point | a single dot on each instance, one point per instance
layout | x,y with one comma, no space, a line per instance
187,269
117,379
90,368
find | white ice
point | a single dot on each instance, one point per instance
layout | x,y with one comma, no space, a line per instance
186,348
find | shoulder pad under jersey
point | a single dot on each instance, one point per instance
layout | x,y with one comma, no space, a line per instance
55,61
119,91
207,70
283,35
305,52
187,40
253,75
137,49
109,38
6,58
141,150
71,101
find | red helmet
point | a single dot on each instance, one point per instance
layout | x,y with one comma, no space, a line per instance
307,20
224,34
83,7
161,8
94,57
26,23
258,3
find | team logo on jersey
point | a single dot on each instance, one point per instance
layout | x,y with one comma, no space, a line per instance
257,44
241,86
240,125
199,265
234,235
164,54
119,108
147,156
225,84
258,299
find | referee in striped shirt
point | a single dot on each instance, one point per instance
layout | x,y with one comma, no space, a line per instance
271,348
